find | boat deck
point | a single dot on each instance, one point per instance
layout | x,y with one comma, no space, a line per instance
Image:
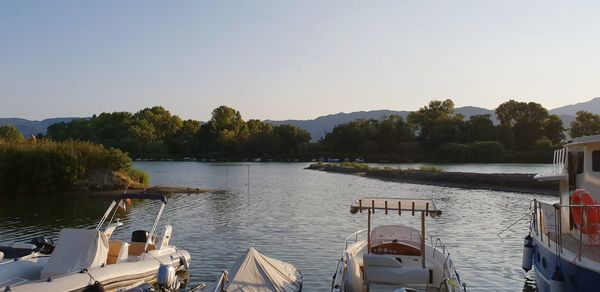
571,243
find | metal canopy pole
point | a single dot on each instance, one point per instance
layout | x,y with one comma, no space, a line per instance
369,232
423,238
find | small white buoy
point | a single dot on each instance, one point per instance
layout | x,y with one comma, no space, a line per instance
166,278
1,255
557,282
527,254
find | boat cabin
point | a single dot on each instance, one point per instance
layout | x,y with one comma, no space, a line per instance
576,166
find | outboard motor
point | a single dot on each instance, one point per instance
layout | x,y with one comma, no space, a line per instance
139,236
166,278
44,245
527,254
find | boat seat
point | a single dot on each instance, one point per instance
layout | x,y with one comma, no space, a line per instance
379,260
117,252
137,248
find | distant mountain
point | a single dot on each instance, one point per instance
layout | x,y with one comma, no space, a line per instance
319,126
29,128
323,124
570,110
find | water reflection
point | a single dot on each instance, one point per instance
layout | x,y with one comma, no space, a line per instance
296,215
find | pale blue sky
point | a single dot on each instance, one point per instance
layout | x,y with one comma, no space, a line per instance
292,59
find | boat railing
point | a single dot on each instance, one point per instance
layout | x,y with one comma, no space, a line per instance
338,277
349,238
441,244
558,163
547,225
220,287
440,247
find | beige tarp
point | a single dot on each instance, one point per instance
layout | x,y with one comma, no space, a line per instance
255,272
76,249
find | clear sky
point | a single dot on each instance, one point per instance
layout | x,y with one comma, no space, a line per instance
292,59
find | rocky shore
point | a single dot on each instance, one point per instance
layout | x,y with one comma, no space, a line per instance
523,183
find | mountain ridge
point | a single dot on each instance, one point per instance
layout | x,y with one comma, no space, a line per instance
320,125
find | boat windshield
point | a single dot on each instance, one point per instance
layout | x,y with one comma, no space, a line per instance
395,233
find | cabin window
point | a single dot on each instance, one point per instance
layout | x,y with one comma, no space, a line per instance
580,162
596,160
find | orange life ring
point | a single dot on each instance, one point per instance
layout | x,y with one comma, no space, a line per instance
591,214
577,212
589,224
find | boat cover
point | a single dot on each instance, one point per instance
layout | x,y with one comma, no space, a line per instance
255,272
77,249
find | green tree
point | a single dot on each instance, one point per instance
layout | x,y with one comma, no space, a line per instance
585,124
480,128
554,129
437,123
289,138
524,123
185,141
162,121
11,134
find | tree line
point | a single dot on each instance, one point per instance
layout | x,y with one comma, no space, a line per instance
524,132
156,133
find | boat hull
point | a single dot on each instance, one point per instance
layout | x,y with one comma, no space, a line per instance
576,277
112,277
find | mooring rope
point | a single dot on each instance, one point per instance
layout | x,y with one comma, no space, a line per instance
513,224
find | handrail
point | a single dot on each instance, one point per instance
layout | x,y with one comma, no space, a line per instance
337,280
558,162
355,234
220,287
581,206
442,244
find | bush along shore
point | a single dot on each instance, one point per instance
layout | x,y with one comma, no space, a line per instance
508,182
45,166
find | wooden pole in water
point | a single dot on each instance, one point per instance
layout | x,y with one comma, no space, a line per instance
423,238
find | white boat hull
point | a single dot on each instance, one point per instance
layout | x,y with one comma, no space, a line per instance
20,275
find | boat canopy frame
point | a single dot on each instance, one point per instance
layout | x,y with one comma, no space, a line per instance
118,200
425,207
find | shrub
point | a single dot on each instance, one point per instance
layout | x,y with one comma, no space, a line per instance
138,175
430,169
487,151
48,166
452,152
543,145
11,134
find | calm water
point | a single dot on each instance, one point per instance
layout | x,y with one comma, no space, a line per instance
299,216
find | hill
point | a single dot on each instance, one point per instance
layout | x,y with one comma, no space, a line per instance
319,126
570,110
28,127
323,124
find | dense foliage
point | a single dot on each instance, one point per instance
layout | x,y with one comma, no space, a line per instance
48,166
156,133
10,133
526,133
585,124
519,132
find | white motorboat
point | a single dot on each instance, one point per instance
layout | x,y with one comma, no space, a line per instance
86,257
255,272
395,257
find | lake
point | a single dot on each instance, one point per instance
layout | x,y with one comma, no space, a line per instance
301,217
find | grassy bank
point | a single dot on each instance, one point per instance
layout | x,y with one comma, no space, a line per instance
358,167
45,166
524,183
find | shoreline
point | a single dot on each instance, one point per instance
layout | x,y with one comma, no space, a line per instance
165,190
506,182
